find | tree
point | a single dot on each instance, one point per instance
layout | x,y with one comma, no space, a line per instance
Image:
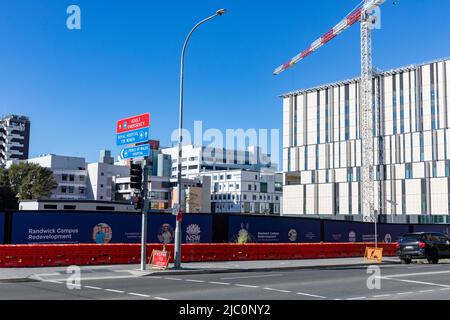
30,181
8,199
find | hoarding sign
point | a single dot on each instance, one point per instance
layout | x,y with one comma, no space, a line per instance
345,231
160,260
273,230
74,228
195,228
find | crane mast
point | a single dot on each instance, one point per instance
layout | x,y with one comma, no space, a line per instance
368,102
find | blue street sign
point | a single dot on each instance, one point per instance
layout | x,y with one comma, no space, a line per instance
132,137
135,152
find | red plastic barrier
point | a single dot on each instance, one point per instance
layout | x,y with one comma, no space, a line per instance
93,254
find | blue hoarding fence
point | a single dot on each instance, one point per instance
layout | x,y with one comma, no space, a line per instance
2,228
244,229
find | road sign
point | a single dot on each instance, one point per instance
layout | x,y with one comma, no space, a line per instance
160,259
135,152
374,254
175,209
133,123
136,136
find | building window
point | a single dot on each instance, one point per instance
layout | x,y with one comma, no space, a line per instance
254,187
72,177
245,197
102,174
71,189
63,189
228,176
237,186
81,190
82,178
64,177
249,187
221,177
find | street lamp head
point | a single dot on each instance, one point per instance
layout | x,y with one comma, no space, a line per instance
221,12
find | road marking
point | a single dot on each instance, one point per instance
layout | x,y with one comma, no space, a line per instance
138,295
278,290
115,291
404,293
310,295
48,274
357,298
154,277
245,286
445,289
382,296
418,282
198,281
416,274
174,279
162,299
260,276
94,288
220,283
54,281
426,291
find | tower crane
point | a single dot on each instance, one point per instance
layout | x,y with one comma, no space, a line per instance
362,13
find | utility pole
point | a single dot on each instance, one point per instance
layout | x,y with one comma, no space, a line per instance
145,207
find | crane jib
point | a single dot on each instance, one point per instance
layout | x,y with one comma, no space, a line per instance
350,20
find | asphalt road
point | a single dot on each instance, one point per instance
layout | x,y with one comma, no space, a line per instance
398,282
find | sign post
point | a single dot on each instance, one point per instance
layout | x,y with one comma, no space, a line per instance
131,131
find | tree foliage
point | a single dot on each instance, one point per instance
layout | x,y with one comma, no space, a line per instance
30,181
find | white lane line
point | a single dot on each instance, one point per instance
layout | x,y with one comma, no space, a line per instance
416,274
426,291
115,291
418,282
260,276
357,298
94,288
311,295
162,299
174,279
445,289
246,286
382,296
48,274
220,283
404,293
138,295
154,277
278,290
197,281
54,281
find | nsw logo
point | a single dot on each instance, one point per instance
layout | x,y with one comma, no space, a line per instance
193,233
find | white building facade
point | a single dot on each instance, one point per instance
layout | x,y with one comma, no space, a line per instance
244,191
197,159
322,145
14,138
69,172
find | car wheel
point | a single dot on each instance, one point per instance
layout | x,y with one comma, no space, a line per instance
406,261
434,257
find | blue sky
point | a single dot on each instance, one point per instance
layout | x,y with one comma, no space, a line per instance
74,85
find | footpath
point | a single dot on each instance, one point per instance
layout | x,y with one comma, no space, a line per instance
133,271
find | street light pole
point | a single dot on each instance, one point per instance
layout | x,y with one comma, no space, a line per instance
177,257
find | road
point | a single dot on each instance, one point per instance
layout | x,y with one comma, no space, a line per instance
398,282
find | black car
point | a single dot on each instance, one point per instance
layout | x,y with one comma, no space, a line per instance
424,245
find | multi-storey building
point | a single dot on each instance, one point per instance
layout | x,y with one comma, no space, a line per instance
197,159
69,172
245,191
14,138
322,145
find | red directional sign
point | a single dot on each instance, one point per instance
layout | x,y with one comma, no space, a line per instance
133,123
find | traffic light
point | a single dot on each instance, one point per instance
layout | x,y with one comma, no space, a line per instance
136,176
138,202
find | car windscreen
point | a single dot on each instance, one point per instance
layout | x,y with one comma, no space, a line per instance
411,238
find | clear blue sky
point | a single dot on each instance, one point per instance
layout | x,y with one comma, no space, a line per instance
74,85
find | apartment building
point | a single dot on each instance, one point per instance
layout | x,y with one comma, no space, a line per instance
14,138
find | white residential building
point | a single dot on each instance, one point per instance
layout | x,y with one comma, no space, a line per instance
245,191
69,172
14,138
100,182
322,145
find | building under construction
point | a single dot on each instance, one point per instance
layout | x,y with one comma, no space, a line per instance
322,147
